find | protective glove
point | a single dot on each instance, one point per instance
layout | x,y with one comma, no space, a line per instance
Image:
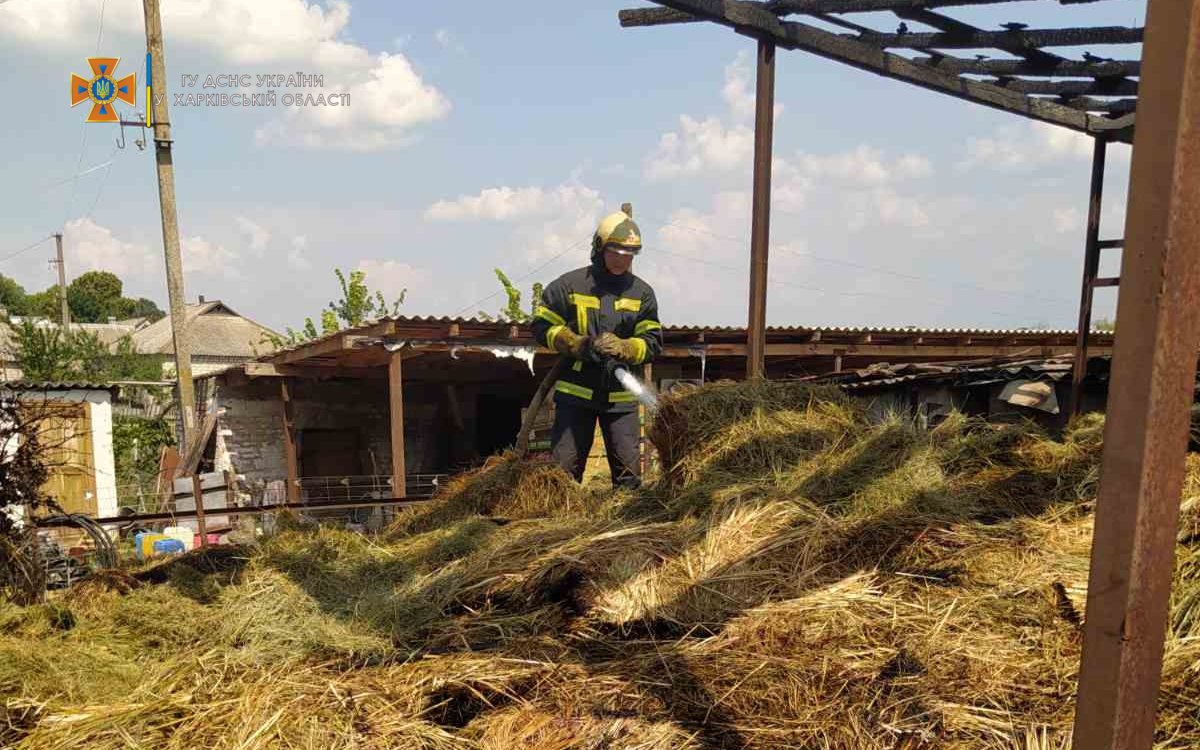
569,342
615,347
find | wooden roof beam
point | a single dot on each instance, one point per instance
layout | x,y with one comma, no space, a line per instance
1105,87
752,19
1066,68
808,7
663,16
1029,39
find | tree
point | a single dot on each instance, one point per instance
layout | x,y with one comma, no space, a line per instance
44,304
358,305
144,308
1104,324
94,296
13,297
512,311
48,354
23,473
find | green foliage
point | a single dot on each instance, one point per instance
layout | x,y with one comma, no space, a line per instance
145,308
13,297
137,444
512,311
46,353
44,304
94,296
357,306
1104,324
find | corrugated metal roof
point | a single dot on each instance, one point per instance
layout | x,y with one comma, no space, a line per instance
502,326
30,385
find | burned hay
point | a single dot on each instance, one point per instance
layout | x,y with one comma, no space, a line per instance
799,577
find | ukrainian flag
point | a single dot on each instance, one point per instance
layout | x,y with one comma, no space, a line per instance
149,100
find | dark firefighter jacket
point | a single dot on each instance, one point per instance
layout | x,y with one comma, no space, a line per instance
591,301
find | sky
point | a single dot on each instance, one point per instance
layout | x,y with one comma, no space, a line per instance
484,135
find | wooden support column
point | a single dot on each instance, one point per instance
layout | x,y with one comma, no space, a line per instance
1091,268
289,441
760,229
396,401
1153,373
201,522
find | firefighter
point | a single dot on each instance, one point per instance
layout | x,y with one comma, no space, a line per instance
601,316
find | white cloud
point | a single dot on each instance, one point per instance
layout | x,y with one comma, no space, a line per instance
91,247
391,277
1027,146
448,40
296,258
700,146
509,204
205,257
388,97
1067,220
257,234
738,91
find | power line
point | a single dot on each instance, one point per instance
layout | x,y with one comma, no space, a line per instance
522,277
25,249
819,290
100,33
875,269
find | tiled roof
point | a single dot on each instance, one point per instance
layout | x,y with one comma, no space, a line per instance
214,331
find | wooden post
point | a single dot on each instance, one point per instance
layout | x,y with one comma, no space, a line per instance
396,401
1091,268
760,229
1153,375
198,494
289,442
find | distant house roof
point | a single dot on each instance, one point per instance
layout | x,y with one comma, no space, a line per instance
215,330
108,333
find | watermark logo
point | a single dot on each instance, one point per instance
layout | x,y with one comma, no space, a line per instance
103,89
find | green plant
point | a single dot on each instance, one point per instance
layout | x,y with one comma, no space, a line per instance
357,305
512,311
137,444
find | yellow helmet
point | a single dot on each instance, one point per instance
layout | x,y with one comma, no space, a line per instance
617,232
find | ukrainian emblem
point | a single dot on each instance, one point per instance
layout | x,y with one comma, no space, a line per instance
103,89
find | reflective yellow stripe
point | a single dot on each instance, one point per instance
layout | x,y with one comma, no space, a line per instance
621,397
571,389
578,367
553,334
641,347
583,302
550,316
628,303
646,325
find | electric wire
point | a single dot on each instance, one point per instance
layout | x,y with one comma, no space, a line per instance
522,277
25,249
866,267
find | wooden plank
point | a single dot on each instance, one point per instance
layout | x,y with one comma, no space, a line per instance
201,521
396,412
1077,68
1117,87
661,16
1107,281
272,370
1006,40
1091,266
291,455
195,451
752,19
976,349
1148,417
760,228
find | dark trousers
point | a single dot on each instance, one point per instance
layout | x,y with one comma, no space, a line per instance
574,430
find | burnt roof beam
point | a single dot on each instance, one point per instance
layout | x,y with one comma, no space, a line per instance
753,19
1103,87
807,7
1075,68
954,26
1011,41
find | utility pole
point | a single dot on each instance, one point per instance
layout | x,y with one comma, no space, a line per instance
62,283
156,71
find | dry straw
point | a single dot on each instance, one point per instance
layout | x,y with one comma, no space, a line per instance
799,576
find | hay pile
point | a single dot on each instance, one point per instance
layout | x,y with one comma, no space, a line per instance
798,578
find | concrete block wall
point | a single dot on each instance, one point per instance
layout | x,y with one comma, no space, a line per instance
250,431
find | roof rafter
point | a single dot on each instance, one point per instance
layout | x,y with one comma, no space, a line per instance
785,7
1076,68
754,19
1008,40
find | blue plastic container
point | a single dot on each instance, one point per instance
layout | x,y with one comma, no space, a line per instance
168,547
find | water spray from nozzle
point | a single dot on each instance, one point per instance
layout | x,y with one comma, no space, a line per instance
643,393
